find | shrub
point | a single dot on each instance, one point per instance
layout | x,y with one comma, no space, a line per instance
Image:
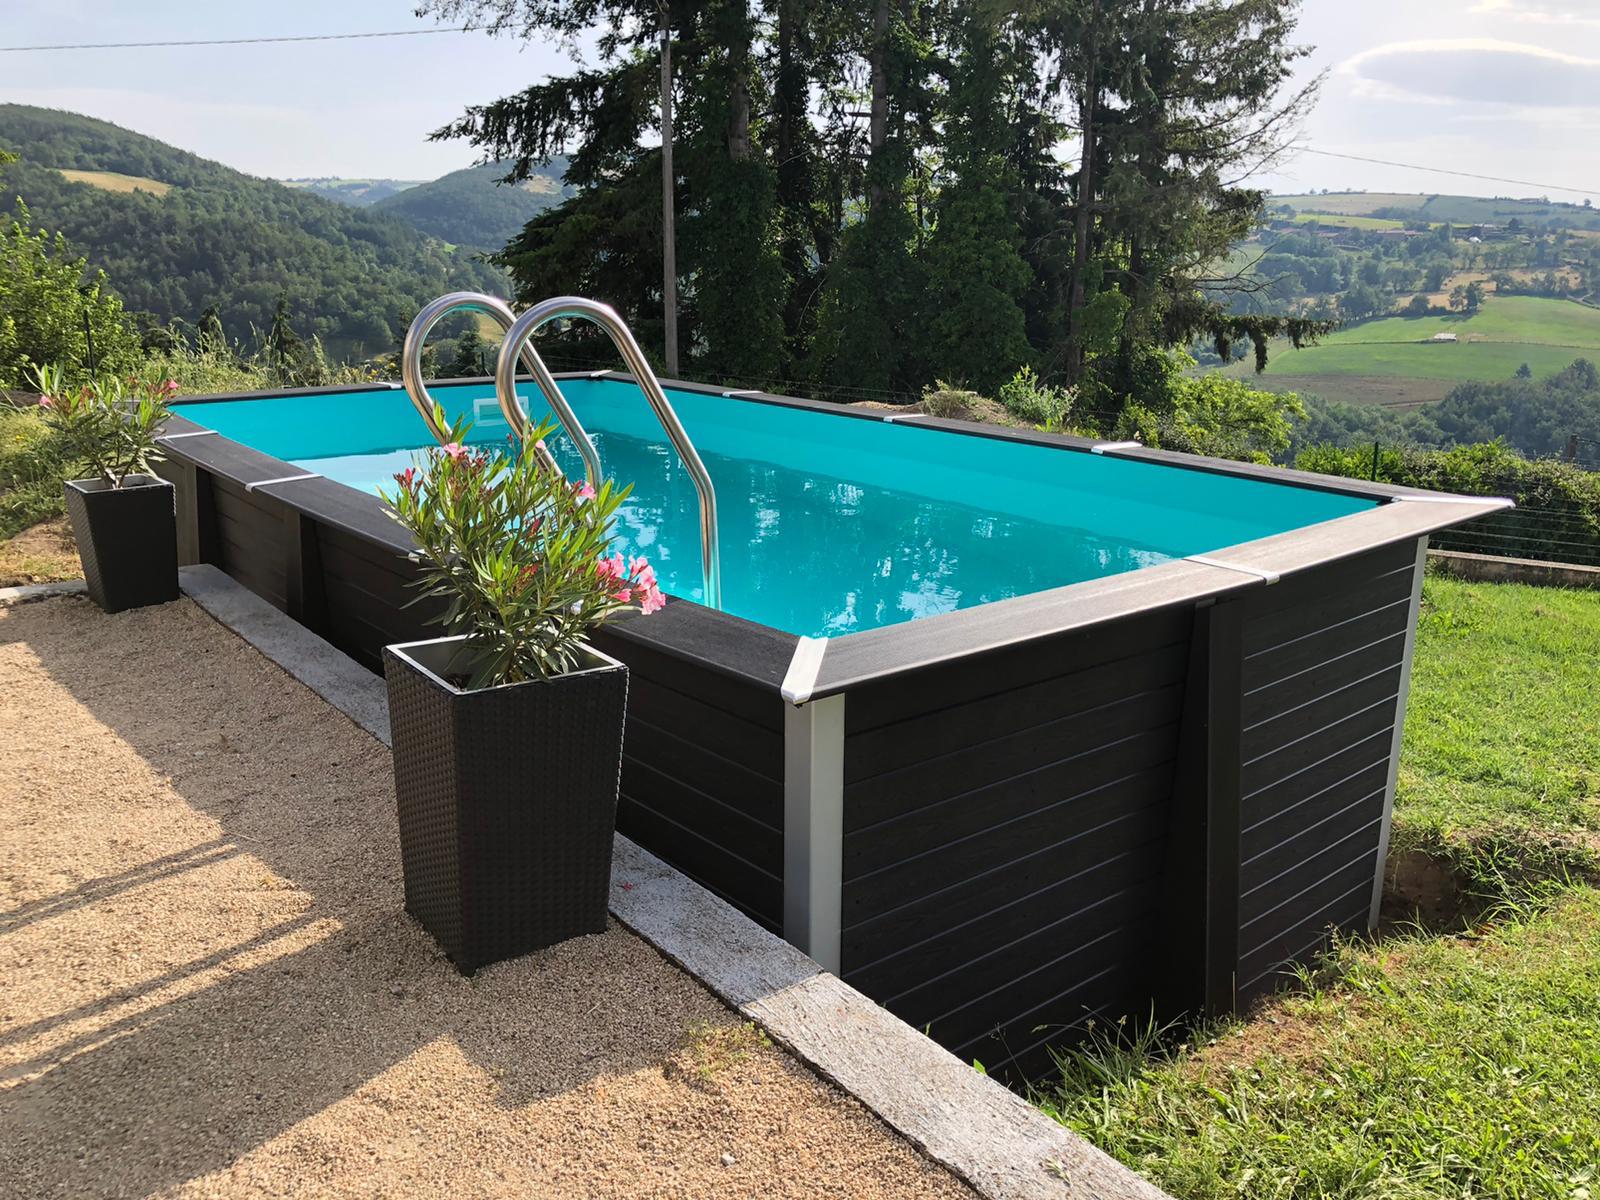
1026,398
109,425
50,304
943,400
1558,504
32,466
519,555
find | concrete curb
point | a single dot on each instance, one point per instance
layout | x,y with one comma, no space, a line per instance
979,1129
1494,568
41,591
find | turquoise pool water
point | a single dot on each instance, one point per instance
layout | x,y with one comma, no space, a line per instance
829,525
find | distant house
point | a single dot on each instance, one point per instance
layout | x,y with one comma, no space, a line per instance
1443,337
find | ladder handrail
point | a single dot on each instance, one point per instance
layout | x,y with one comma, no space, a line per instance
417,388
603,315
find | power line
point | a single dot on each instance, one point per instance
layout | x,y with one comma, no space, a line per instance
252,41
1384,162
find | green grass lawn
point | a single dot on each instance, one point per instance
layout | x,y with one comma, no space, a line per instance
1505,333
1426,1066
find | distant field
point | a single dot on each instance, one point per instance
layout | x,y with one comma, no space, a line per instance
1533,320
1460,210
1346,221
1350,364
112,182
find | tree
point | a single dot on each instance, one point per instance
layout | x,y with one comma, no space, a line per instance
1472,297
471,356
52,308
209,335
283,346
1418,306
1174,100
976,327
1524,372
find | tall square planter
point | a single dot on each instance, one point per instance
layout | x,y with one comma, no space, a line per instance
507,800
127,540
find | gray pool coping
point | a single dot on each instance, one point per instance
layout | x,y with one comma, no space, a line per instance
973,1125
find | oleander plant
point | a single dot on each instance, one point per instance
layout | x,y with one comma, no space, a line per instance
520,555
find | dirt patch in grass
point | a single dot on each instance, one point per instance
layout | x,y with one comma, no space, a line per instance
43,553
211,987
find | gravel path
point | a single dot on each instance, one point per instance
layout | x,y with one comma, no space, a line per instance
208,986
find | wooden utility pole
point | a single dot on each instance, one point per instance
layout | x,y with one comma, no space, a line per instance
669,248
1088,105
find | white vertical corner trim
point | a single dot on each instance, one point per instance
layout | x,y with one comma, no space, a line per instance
813,828
801,678
1399,733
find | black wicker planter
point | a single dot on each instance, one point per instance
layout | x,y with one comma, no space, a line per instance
127,540
507,799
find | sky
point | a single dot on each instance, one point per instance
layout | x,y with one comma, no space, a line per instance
1494,87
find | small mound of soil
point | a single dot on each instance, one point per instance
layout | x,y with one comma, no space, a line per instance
42,553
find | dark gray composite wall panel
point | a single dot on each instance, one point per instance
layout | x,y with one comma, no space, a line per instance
1005,835
1323,660
250,540
702,774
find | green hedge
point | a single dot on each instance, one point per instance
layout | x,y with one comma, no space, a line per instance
1558,504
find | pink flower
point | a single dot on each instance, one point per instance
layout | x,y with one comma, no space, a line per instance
406,478
653,601
455,450
170,387
610,569
622,596
539,445
46,402
585,492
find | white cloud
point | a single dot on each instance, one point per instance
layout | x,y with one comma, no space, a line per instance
1542,14
1479,71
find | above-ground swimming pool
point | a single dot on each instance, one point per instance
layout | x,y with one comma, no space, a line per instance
829,527
1009,729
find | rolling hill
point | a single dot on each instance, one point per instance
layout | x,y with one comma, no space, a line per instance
217,237
1458,210
358,193
472,207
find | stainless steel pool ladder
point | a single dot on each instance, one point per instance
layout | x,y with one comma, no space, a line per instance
518,345
417,388
518,338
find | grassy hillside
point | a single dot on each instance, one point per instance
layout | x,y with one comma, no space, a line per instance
1391,361
354,277
358,193
1458,210
114,182
472,208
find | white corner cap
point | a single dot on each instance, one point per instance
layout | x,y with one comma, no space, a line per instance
1102,447
801,678
1497,501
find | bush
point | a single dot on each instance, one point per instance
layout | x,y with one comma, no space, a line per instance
33,463
1025,398
943,400
108,424
49,304
1558,504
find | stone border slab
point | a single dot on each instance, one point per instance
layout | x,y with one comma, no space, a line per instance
1495,568
974,1126
41,591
